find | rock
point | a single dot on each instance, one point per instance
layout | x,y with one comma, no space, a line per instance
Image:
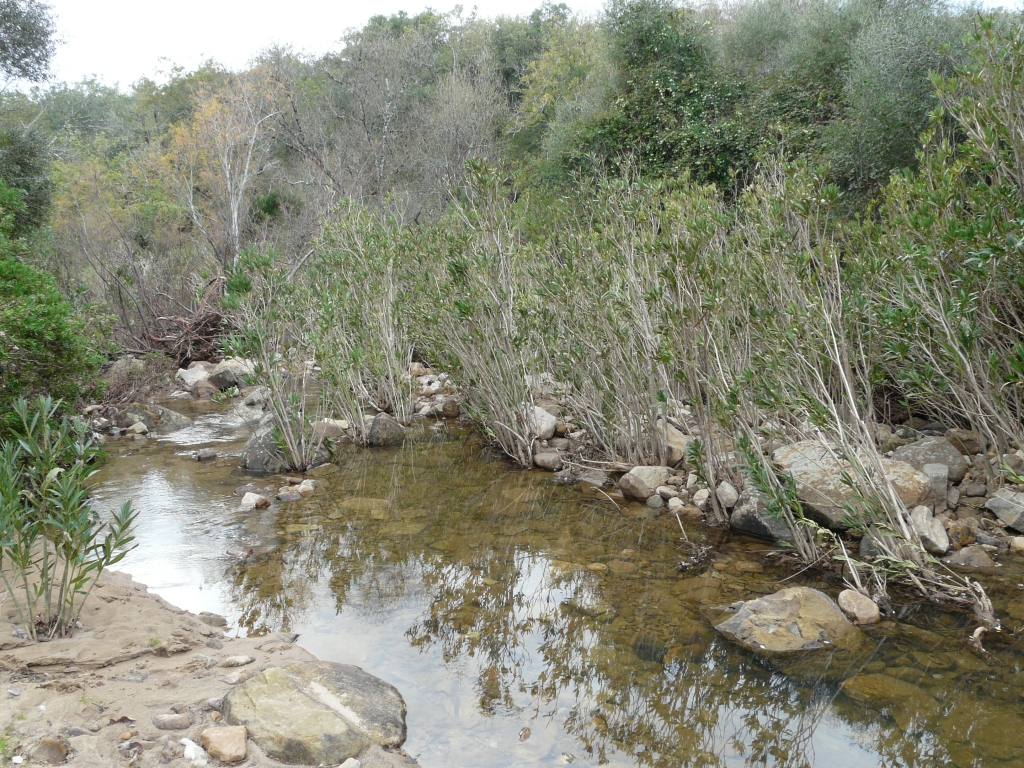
288,494
450,408
204,389
991,541
172,722
385,431
934,450
961,533
206,454
820,487
970,557
317,712
952,498
727,495
939,475
904,701
933,535
192,376
49,752
675,505
750,516
549,460
542,424
333,428
254,501
652,476
859,608
1016,544
633,487
306,488
138,428
1008,506
155,417
792,620
676,443
622,567
225,743
237,661
655,501
966,441
700,499
667,491
974,490
261,454
231,372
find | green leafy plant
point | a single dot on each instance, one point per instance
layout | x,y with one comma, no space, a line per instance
53,547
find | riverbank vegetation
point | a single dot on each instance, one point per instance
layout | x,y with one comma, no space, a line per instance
779,220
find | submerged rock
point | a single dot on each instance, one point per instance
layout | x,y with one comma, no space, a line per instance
317,712
155,417
859,608
904,701
821,490
385,431
791,620
970,557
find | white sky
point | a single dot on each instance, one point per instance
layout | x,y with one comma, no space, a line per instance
120,41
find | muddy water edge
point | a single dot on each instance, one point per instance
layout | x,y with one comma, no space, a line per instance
532,624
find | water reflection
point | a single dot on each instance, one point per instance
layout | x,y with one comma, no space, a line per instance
529,624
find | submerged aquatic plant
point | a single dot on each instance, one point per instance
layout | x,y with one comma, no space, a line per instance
53,546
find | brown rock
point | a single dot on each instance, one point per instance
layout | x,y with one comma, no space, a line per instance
635,488
450,409
859,608
49,752
905,702
965,440
550,460
961,533
970,557
204,389
226,743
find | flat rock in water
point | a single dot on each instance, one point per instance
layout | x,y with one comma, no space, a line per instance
970,557
750,516
791,620
904,701
155,417
821,490
317,712
933,450
385,431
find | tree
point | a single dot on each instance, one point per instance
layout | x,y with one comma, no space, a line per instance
27,41
217,155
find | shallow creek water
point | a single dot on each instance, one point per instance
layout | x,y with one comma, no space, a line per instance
531,624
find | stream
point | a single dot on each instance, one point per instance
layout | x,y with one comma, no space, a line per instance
532,624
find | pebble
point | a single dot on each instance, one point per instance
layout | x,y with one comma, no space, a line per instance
14,690
172,722
237,661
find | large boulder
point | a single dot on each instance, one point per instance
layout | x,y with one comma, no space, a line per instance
641,483
821,490
317,713
750,516
792,620
933,450
385,431
231,372
261,454
155,417
192,376
1008,506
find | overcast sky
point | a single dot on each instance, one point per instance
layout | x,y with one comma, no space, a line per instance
120,41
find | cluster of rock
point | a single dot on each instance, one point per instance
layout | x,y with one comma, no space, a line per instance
292,489
205,379
436,396
134,421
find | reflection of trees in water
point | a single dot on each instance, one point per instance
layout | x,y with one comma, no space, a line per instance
552,634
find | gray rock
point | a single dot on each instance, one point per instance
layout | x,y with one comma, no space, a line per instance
651,476
792,620
206,454
288,494
970,557
261,454
317,712
655,501
934,450
634,487
1008,506
155,417
933,535
727,495
939,475
676,443
230,372
385,431
983,538
952,498
701,498
549,460
750,516
172,722
542,424
821,490
975,490
192,376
